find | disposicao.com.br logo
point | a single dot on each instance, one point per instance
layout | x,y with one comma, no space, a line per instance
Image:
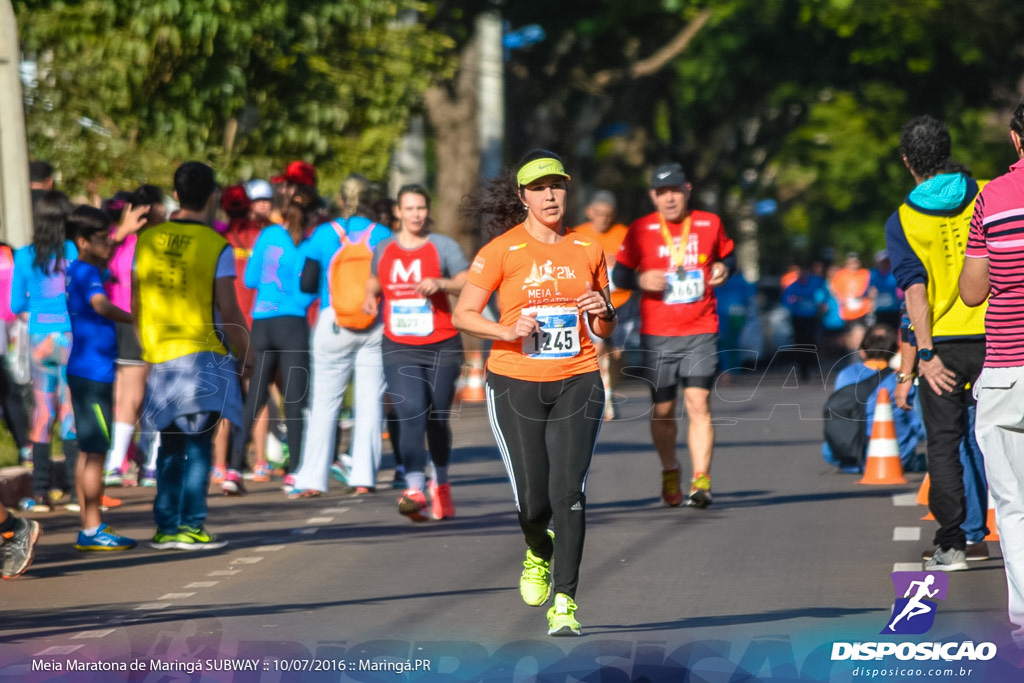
913,613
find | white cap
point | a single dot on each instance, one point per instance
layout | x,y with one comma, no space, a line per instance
259,189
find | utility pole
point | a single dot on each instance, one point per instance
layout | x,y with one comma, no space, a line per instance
491,99
15,197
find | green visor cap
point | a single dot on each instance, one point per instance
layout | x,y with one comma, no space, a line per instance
538,168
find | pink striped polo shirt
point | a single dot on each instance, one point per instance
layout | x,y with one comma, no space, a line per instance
997,233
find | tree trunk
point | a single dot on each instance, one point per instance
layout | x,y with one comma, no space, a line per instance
452,115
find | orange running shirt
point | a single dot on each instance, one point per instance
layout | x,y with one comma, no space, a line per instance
610,241
645,248
546,278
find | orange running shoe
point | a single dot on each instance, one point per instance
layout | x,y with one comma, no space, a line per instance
262,473
107,501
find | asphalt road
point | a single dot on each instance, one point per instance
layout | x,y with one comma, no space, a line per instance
791,558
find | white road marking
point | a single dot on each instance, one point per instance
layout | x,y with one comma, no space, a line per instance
224,572
319,520
268,548
202,584
92,634
246,560
152,605
904,500
175,596
907,567
906,533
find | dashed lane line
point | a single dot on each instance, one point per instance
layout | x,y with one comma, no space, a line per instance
906,533
904,499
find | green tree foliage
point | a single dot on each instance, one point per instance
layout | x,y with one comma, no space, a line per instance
127,89
800,101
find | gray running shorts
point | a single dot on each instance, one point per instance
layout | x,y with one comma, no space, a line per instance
667,362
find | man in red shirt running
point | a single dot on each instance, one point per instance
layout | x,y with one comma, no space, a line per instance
676,257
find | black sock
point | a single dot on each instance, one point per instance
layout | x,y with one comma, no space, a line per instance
7,524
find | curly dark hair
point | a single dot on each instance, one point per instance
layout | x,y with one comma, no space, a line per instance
495,205
50,215
1017,122
926,145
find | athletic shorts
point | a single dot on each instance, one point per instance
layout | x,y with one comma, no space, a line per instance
129,351
667,362
93,403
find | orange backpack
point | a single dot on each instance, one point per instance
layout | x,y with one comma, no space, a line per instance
346,279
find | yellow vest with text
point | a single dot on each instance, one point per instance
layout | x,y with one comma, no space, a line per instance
175,266
940,241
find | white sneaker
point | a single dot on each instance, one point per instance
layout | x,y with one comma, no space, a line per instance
951,560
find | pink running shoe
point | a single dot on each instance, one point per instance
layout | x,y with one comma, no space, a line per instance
232,485
441,505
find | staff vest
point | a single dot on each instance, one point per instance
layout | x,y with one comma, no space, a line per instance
175,265
939,241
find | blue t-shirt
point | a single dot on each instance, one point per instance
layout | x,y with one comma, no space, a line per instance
41,294
888,297
273,271
93,337
830,319
324,243
801,299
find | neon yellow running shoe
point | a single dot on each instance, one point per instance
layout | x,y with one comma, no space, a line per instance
562,617
700,491
535,583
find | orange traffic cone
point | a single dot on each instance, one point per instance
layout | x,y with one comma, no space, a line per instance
883,461
990,521
922,497
472,390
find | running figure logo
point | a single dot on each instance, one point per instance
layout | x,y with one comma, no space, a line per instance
914,612
540,275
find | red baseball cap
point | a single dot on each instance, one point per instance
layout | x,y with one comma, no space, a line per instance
234,199
297,173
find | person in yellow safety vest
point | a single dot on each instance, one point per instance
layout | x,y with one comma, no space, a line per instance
195,336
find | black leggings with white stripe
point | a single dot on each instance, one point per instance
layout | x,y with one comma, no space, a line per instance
546,432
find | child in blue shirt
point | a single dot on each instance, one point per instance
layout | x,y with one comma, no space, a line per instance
90,369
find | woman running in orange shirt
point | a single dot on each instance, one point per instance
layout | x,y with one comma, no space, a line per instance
544,390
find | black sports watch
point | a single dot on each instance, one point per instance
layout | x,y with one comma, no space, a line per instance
609,312
925,354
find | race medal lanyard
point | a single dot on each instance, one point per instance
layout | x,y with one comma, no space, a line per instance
684,286
676,252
